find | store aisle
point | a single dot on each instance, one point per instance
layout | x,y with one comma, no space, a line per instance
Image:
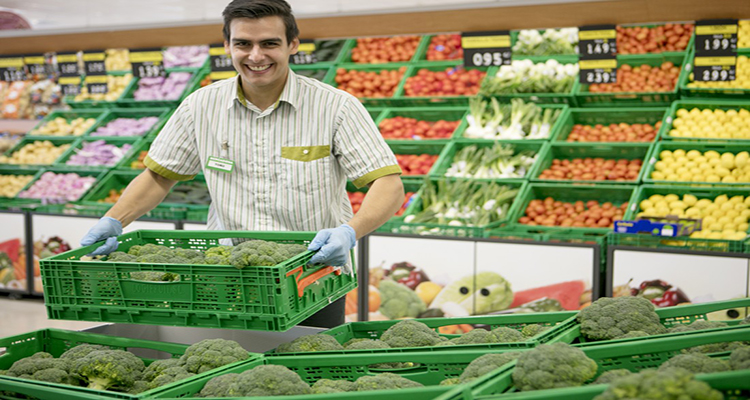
21,316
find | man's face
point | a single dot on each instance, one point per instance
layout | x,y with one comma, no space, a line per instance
260,51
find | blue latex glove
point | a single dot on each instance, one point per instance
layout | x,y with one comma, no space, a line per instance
107,229
333,245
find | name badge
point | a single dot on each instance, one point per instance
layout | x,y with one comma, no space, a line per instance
220,164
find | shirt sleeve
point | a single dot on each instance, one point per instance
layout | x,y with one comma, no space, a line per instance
174,152
359,147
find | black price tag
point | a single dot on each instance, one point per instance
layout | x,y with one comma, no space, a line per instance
597,41
67,64
11,69
147,63
715,68
716,36
221,63
36,65
305,53
597,71
485,49
70,85
93,63
96,84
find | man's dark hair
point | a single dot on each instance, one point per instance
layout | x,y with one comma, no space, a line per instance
255,9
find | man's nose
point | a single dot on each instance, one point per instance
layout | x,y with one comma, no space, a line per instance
255,54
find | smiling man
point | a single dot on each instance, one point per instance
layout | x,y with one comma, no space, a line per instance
276,150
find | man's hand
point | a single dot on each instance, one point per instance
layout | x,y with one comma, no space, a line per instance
333,245
107,229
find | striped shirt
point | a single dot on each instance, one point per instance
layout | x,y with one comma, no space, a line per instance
291,161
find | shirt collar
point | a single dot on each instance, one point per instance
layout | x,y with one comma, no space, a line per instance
290,93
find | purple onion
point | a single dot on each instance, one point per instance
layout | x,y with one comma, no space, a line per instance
98,153
160,88
58,188
185,56
127,127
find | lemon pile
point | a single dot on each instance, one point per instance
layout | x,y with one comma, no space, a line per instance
743,36
694,166
742,76
711,124
723,218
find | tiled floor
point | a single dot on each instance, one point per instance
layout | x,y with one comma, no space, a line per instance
26,315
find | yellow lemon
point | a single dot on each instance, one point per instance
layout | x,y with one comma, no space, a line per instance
711,208
665,154
660,166
736,199
713,235
671,197
728,179
689,199
743,227
702,203
709,220
658,176
721,199
740,207
693,154
645,204
726,206
724,220
678,153
713,179
693,212
739,236
739,220
733,214
711,154
745,213
673,177
727,163
650,211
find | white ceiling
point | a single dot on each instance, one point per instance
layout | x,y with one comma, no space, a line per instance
53,16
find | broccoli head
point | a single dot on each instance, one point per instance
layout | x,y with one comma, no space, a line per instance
385,381
485,364
398,301
212,353
609,318
169,375
310,343
532,330
333,386
551,366
714,347
155,259
696,325
632,334
154,276
740,358
157,367
612,375
220,386
269,380
148,248
410,333
105,369
696,363
651,384
43,367
138,387
475,336
450,382
366,344
193,256
507,335
218,255
81,350
119,256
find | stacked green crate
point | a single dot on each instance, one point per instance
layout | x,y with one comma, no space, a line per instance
115,80
649,120
45,128
735,90
162,113
432,115
449,67
77,147
57,142
732,117
381,101
706,164
490,167
602,151
547,122
424,151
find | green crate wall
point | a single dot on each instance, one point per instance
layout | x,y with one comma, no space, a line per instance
72,103
441,66
708,104
567,98
708,93
97,114
97,173
374,101
404,147
608,116
110,140
57,142
141,145
430,114
680,53
346,53
421,55
563,58
720,147
10,170
447,156
162,113
193,84
557,125
327,51
569,151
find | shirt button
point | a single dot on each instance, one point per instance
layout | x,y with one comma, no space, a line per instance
305,151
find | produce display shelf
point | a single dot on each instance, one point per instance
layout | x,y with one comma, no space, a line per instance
346,53
403,99
707,104
96,172
607,151
8,169
421,56
562,58
272,298
116,141
553,132
404,147
162,113
69,115
616,194
445,161
720,147
86,104
567,98
607,116
676,53
377,68
430,114
56,342
193,84
710,93
559,323
59,141
681,242
651,99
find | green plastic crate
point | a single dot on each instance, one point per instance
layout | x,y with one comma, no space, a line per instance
608,151
446,157
56,342
421,55
680,53
68,115
430,114
128,101
553,132
162,113
72,103
616,194
374,101
571,57
608,116
567,98
57,142
655,99
665,132
141,145
417,148
116,141
328,51
8,169
682,242
425,101
559,323
415,207
197,214
346,53
273,298
721,147
97,210
715,93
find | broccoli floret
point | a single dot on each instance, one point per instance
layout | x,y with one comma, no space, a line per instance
104,369
81,350
266,261
242,258
154,276
294,249
650,384
608,318
148,248
212,353
476,336
612,375
551,366
155,259
398,301
221,386
385,381
507,335
157,367
450,382
194,256
169,375
366,344
119,256
410,333
333,386
138,387
218,255
270,380
740,358
632,334
485,364
42,367
446,343
310,343
715,347
697,325
532,330
696,363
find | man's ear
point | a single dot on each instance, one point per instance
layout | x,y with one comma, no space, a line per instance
227,49
294,45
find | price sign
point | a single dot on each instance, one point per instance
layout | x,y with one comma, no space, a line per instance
93,63
221,63
597,41
11,69
305,53
147,63
96,84
597,71
70,85
484,49
715,68
67,64
717,36
35,65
